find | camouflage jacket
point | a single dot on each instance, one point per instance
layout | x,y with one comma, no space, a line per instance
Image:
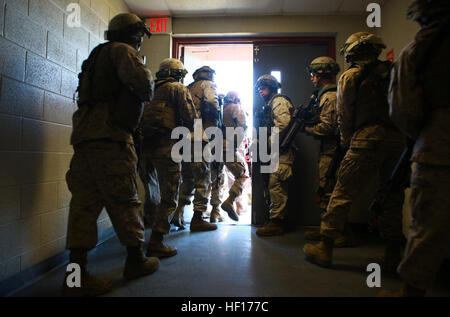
204,95
121,83
281,115
362,108
327,129
171,107
419,96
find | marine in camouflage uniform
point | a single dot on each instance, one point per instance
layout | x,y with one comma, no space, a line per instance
171,107
114,83
196,176
374,146
419,99
323,71
280,112
233,117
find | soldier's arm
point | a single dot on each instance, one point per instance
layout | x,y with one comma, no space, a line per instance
210,97
345,106
240,118
328,123
132,72
281,113
405,96
186,108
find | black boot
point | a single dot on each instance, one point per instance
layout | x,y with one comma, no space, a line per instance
90,285
137,264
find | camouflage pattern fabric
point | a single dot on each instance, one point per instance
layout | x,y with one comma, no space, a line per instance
103,174
419,97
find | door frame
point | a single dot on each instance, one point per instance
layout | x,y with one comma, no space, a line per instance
177,43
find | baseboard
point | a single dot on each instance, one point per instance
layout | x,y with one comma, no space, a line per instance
21,280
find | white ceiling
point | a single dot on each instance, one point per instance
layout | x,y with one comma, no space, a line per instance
192,8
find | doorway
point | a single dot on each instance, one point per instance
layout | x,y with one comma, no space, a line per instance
233,64
287,59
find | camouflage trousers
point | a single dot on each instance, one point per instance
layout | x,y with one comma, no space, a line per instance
358,169
237,168
195,181
217,183
159,162
103,174
326,182
149,178
429,237
278,190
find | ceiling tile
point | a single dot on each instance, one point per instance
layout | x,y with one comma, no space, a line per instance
252,7
310,6
196,7
148,7
357,6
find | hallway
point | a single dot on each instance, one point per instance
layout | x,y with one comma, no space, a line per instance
233,262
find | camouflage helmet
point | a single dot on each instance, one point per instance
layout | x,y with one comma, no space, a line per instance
204,72
126,27
171,67
425,11
267,81
362,43
324,66
232,97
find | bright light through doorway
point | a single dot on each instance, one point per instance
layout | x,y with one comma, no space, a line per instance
233,64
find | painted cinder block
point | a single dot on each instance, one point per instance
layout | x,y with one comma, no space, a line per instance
69,83
9,204
58,109
21,99
10,138
22,30
48,15
38,198
53,225
42,73
61,52
12,60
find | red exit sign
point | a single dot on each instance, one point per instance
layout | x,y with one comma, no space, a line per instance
157,25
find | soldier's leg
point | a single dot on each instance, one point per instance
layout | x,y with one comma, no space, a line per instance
186,193
358,168
149,178
114,167
217,182
278,190
323,193
202,178
391,219
169,174
238,171
429,236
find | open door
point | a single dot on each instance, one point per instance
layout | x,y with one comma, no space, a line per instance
289,61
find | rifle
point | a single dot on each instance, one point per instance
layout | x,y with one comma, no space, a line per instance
301,117
398,179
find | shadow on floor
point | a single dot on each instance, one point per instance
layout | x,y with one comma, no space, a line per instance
233,262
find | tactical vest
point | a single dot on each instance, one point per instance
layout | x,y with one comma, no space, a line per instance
291,110
372,105
161,114
209,118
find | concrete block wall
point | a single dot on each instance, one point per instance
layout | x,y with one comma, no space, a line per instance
40,57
